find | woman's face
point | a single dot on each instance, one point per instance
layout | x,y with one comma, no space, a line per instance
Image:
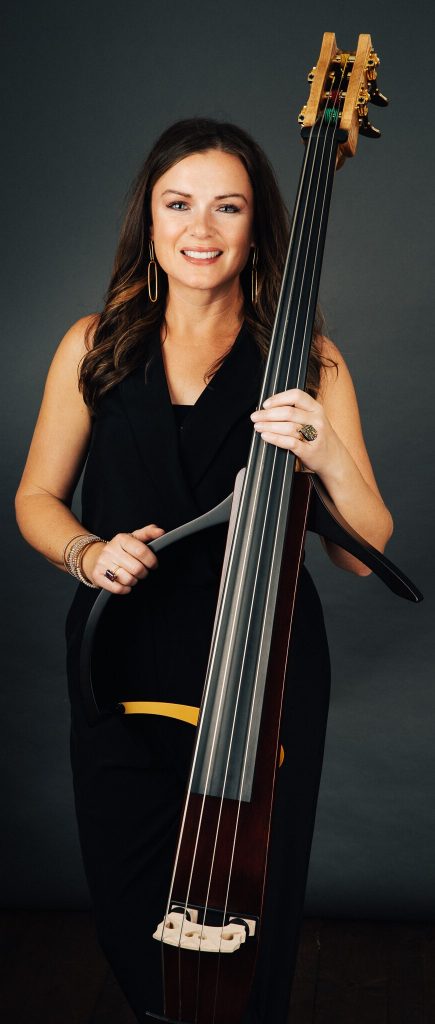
202,212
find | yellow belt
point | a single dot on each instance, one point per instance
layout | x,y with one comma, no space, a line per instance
184,713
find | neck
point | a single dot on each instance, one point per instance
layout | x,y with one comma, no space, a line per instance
203,320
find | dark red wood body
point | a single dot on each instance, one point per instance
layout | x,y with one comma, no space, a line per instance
191,978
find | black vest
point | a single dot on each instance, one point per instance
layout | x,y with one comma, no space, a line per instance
154,643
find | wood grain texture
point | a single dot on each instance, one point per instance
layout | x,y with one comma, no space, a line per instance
320,84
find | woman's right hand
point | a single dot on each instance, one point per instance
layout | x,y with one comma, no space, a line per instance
127,554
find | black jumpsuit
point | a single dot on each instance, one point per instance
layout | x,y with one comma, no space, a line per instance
130,771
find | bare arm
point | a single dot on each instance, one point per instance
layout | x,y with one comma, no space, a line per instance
338,454
350,479
56,458
57,454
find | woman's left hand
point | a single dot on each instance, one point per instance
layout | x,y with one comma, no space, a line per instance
280,420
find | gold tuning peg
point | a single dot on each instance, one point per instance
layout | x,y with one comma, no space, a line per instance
372,66
311,74
362,101
301,117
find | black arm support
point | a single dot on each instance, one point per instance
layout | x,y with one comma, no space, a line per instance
324,519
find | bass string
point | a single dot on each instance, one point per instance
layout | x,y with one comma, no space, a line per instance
334,128
317,142
224,784
202,717
300,370
235,714
170,897
225,778
290,294
206,694
237,602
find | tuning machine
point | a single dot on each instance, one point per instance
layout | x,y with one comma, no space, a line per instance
371,94
372,66
362,101
368,129
376,97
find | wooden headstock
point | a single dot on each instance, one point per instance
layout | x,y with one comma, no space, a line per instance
342,85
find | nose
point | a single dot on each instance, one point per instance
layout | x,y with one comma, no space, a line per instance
201,226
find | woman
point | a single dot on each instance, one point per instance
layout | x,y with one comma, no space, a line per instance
159,394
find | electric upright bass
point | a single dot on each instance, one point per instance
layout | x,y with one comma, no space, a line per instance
211,922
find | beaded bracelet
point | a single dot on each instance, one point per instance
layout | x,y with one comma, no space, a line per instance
67,546
73,560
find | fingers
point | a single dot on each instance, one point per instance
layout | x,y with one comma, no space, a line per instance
285,418
285,428
147,532
113,586
287,414
293,442
281,430
279,422
295,396
134,552
128,558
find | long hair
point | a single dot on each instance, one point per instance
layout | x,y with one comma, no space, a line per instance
121,339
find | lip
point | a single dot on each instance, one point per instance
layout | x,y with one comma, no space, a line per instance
200,261
199,248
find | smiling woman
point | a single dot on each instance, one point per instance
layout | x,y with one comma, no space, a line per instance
119,338
202,244
189,326
202,229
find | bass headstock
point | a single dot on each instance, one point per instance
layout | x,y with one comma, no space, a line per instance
343,83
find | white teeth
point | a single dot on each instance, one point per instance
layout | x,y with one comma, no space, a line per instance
201,255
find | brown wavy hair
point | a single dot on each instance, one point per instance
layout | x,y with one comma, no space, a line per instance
122,331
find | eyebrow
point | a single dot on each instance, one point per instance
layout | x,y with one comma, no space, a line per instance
188,195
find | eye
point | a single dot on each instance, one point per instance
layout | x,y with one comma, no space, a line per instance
177,204
230,206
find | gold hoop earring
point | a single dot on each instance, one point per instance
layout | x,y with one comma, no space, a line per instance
254,278
152,263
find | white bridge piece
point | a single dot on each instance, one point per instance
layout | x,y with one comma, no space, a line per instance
176,930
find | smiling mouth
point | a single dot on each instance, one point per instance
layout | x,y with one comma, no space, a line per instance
203,256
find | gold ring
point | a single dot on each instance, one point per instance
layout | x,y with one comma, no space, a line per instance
308,432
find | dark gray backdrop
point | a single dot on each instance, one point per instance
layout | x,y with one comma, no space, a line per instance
88,89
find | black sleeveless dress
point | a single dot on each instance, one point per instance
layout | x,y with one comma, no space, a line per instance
151,463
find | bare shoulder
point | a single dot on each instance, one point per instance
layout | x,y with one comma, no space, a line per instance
335,380
78,339
63,428
329,350
62,384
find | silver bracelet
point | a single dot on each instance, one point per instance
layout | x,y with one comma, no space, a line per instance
73,559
